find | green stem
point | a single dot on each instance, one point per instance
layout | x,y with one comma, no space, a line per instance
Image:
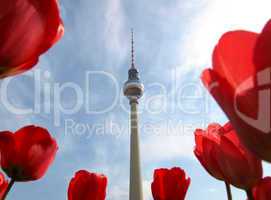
11,183
228,189
249,195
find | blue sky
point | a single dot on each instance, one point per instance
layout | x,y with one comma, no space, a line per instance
173,41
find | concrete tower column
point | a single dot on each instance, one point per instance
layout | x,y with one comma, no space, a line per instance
135,172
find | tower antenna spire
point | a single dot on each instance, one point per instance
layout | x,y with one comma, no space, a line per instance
132,49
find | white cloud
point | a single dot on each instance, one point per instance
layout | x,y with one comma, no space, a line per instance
147,190
216,17
117,192
168,143
115,32
122,192
163,148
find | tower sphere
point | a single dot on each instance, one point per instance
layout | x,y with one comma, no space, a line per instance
133,88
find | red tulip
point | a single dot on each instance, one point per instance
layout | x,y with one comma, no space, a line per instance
3,185
87,186
28,29
169,184
27,154
220,152
240,83
263,189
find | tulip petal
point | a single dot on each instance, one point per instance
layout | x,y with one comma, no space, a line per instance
207,157
220,90
27,154
221,153
262,58
28,29
235,165
85,186
8,150
3,185
170,184
240,83
233,56
262,190
40,154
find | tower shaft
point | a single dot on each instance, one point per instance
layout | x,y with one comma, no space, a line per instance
135,171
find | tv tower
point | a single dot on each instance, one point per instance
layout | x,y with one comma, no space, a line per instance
133,90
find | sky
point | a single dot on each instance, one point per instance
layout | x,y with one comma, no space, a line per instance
76,90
